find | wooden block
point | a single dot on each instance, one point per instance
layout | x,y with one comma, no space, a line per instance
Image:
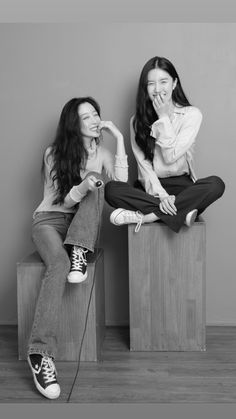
167,287
73,310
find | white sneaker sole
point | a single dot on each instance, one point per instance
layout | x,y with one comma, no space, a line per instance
73,279
190,218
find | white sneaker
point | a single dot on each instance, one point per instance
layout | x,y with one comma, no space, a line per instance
122,216
78,271
190,218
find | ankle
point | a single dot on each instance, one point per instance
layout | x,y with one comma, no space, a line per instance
76,247
150,218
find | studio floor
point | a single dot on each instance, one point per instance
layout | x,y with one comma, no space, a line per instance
130,377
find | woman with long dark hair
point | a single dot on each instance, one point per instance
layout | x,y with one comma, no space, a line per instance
163,132
65,224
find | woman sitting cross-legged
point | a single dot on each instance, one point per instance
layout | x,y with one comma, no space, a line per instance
163,132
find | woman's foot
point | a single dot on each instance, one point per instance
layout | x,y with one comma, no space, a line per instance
45,375
190,218
78,271
122,216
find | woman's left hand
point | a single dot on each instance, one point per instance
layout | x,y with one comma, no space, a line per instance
109,127
167,205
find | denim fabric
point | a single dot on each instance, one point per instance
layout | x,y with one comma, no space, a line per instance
52,233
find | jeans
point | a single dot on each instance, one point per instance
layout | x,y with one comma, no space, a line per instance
188,196
53,234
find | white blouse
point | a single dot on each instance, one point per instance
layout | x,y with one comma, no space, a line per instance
173,153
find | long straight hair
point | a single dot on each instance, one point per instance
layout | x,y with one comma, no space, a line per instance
68,153
145,114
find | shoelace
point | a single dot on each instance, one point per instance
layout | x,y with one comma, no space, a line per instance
132,216
139,223
49,370
78,258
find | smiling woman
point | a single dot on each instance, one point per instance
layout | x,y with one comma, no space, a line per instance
163,132
160,86
90,120
66,223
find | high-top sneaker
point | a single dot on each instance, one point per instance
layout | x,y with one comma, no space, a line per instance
45,375
78,271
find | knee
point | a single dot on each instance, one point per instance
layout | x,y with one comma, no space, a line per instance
110,188
217,185
65,263
60,263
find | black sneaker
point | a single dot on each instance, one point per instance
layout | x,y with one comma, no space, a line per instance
78,271
45,375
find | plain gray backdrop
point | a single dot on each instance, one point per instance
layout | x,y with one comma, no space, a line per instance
45,65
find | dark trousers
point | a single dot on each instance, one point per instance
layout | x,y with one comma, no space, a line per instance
189,195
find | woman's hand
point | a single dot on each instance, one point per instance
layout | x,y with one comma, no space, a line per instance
167,205
109,127
88,184
161,105
78,192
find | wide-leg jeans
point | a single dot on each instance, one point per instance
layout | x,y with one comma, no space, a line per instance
53,234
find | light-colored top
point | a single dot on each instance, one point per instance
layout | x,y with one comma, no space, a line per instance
174,144
99,159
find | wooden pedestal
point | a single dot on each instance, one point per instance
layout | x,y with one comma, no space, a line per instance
167,287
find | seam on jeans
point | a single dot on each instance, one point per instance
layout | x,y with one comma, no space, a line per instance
37,317
90,246
35,324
